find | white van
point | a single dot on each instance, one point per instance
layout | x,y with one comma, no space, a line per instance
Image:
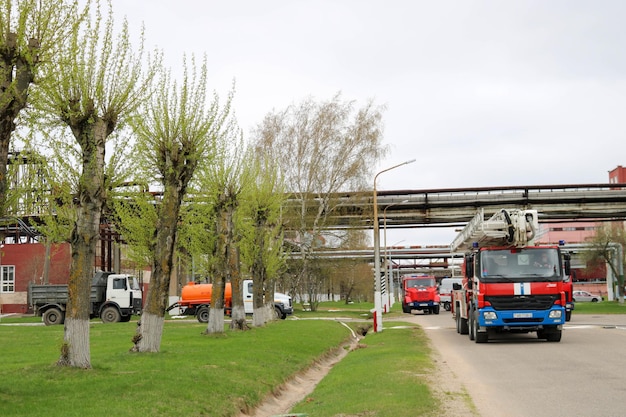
445,291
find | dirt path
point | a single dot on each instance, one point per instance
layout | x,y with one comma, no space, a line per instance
298,387
444,384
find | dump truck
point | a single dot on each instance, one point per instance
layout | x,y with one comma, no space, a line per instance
195,300
114,298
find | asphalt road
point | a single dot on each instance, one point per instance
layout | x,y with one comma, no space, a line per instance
519,376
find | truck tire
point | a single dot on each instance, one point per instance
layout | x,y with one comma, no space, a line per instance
446,306
279,313
462,324
482,337
53,316
110,315
478,336
553,335
203,314
436,309
472,329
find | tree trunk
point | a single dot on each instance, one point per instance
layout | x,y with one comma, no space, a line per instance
216,321
16,77
238,316
258,302
149,333
238,319
75,351
216,314
46,263
150,328
259,316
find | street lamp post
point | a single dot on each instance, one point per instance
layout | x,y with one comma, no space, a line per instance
387,256
378,314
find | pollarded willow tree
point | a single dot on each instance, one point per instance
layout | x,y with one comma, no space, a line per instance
322,148
223,182
260,227
92,87
177,134
30,32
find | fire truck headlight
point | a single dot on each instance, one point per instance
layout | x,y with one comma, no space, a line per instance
555,314
490,315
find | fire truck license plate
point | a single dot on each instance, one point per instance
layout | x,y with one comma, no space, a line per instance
522,315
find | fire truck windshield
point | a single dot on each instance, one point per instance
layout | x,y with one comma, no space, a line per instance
520,264
419,282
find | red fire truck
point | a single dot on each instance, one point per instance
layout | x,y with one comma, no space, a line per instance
420,293
509,283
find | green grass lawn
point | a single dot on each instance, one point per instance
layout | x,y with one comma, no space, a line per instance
193,375
603,307
386,376
198,375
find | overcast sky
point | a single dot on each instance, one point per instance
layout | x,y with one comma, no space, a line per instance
480,93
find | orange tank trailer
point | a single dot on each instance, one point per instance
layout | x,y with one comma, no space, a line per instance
194,294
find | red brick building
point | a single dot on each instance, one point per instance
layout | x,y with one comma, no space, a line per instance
618,175
21,264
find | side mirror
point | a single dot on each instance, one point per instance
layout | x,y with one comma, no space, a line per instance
470,284
469,266
568,267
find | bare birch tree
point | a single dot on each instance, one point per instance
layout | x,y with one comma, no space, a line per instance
30,32
603,249
93,86
322,148
178,133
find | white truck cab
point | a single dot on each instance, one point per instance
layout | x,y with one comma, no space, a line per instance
282,302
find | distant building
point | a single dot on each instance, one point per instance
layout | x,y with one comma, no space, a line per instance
618,175
571,232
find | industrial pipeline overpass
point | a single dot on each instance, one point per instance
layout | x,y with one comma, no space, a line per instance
454,207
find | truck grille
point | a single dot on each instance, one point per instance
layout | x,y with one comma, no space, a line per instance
522,302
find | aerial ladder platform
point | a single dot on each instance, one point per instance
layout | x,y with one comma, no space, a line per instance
513,227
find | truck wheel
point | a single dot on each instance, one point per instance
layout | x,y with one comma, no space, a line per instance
110,315
203,314
568,315
463,327
482,337
53,316
553,336
436,310
478,337
472,329
279,313
446,306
